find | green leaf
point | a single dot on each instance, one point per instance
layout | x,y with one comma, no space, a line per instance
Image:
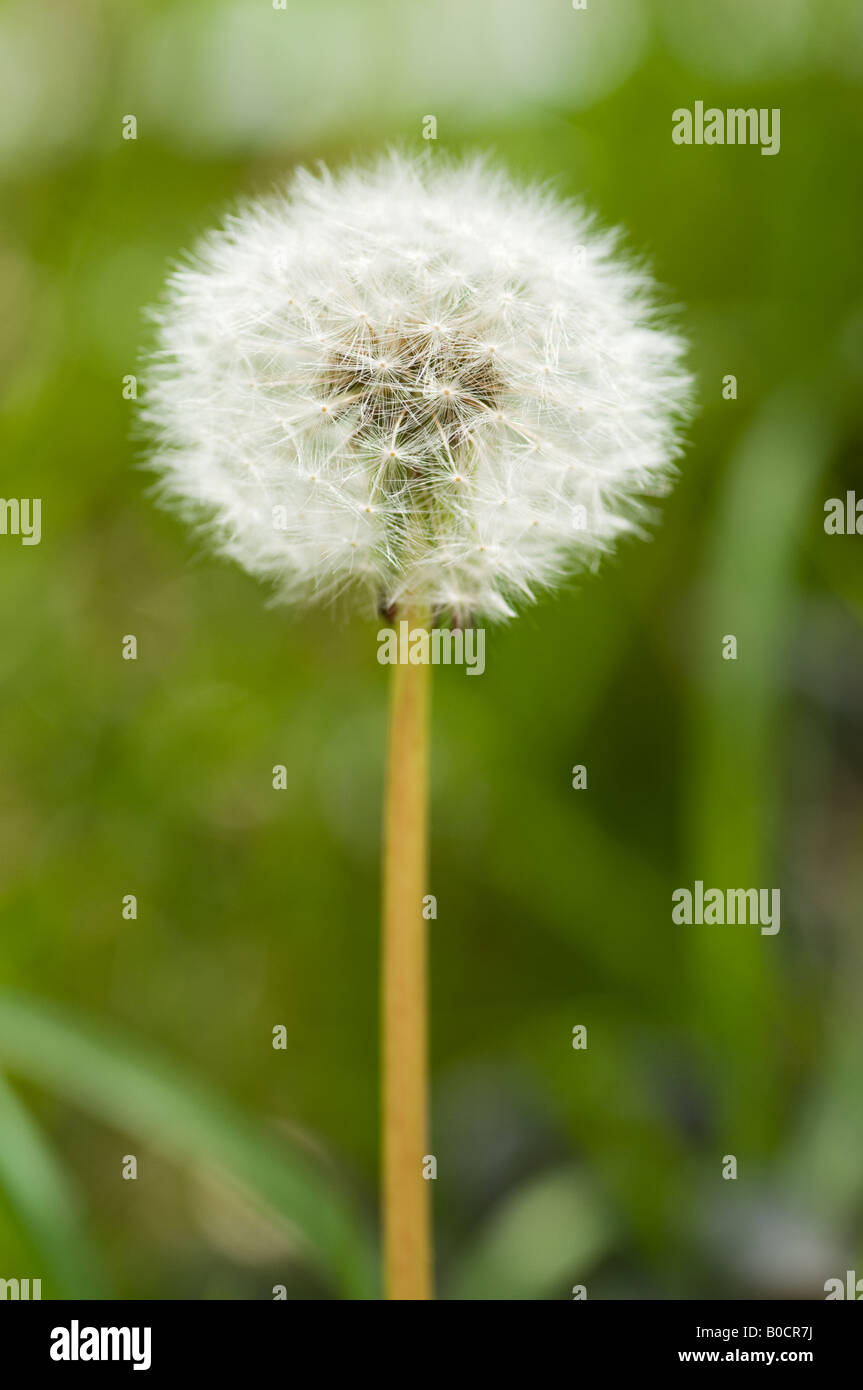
548,1235
768,503
138,1093
44,1200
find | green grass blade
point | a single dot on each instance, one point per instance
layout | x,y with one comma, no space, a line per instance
769,503
138,1093
545,1237
40,1193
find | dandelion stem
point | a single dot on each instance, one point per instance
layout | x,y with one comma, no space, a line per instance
404,1041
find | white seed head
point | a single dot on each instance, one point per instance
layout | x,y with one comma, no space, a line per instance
417,382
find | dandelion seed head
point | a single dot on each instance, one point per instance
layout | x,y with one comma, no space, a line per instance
427,370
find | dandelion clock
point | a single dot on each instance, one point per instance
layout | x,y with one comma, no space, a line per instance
432,392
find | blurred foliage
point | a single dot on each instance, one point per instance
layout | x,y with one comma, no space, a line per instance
258,908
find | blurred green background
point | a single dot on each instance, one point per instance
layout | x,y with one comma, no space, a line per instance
259,908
